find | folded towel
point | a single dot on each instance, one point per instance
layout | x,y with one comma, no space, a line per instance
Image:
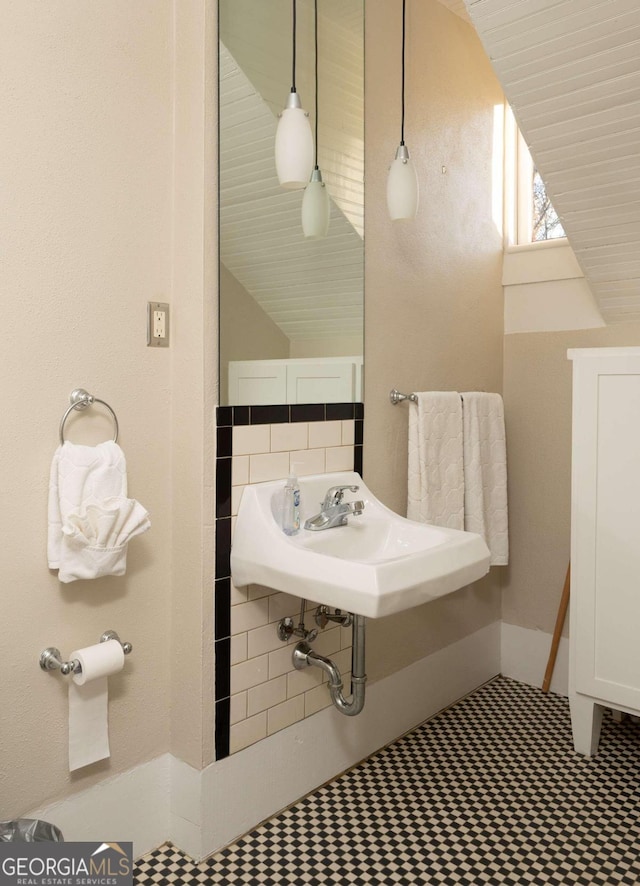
91,519
95,539
436,478
485,472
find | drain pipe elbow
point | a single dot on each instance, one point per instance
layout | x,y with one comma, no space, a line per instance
349,707
308,657
304,656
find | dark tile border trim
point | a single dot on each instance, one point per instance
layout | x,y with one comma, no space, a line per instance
223,728
226,418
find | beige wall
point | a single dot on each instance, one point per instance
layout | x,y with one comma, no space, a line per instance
346,346
246,331
537,395
433,318
90,157
86,240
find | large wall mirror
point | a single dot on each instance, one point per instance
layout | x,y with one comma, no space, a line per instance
291,309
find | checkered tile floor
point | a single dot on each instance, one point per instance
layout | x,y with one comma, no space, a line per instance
488,791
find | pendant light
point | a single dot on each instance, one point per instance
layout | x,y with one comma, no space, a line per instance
315,202
402,181
294,142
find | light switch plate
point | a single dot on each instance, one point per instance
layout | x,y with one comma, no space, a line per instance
157,324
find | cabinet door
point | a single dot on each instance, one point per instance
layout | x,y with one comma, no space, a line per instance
605,585
320,382
257,382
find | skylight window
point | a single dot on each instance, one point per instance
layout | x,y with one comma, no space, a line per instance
529,213
545,223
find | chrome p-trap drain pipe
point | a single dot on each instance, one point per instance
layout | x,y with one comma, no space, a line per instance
304,657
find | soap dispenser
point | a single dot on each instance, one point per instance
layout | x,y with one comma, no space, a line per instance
291,510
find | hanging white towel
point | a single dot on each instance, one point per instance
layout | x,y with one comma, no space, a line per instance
485,472
436,478
91,520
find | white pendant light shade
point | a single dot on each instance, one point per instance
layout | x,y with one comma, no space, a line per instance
315,208
294,145
402,187
402,181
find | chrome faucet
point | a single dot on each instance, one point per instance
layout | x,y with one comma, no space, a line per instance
334,511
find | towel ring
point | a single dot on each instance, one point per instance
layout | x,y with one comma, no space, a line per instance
81,399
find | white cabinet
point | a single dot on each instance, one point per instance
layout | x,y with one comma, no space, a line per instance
257,382
605,539
310,380
320,382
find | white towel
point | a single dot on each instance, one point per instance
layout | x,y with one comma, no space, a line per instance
436,478
91,520
485,472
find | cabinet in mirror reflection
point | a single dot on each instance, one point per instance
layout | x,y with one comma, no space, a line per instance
291,310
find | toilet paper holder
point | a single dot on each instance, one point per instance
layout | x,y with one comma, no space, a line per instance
51,658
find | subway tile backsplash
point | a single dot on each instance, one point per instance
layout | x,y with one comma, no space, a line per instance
257,690
249,439
285,438
325,433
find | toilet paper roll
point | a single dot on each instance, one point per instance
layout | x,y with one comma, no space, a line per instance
88,703
97,661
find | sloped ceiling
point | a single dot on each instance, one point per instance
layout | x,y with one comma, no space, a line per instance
571,72
310,289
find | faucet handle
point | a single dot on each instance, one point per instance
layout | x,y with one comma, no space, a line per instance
335,494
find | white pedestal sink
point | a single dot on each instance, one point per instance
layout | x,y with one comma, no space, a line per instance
376,565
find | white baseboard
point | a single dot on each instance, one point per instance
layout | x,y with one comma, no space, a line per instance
132,806
524,654
201,811
186,807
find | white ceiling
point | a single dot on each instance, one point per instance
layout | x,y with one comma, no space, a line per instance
310,289
571,72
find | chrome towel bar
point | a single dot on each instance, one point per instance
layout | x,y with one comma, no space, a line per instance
396,397
51,659
81,399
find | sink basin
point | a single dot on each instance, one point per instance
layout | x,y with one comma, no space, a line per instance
378,564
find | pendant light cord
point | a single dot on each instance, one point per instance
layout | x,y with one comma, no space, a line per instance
293,71
404,12
315,22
